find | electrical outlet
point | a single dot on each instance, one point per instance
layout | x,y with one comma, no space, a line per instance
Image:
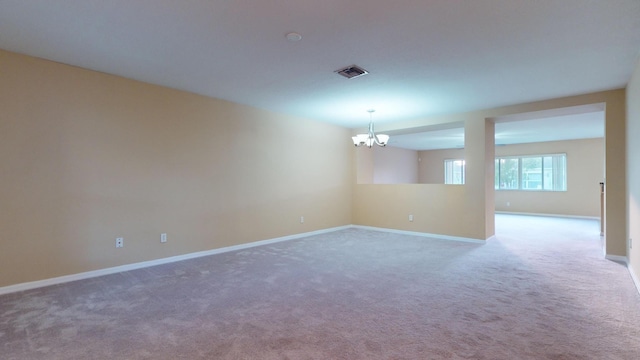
630,243
119,242
301,219
163,238
410,217
508,204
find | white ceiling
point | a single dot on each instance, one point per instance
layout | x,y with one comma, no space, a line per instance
552,128
425,57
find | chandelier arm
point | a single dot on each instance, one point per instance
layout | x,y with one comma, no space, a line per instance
370,138
372,134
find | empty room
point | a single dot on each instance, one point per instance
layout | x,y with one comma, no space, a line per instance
319,180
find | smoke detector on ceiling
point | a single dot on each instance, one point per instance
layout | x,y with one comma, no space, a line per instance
293,37
352,71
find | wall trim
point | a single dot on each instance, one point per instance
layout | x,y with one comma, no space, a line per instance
423,234
549,215
617,258
113,270
139,265
625,261
635,279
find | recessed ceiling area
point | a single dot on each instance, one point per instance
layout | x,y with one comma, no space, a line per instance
584,125
424,57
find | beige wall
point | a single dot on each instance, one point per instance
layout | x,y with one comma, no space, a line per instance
434,207
431,164
394,165
86,157
386,165
633,170
585,170
365,166
462,211
477,223
615,175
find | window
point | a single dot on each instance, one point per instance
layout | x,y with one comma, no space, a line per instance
454,171
532,172
506,173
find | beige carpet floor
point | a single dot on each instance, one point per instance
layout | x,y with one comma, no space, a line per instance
541,290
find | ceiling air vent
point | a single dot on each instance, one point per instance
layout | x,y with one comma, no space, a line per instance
352,71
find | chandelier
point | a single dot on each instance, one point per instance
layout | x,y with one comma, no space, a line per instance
370,138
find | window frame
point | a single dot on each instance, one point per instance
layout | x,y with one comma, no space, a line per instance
520,173
463,171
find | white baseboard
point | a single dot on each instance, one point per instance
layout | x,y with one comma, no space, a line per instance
616,258
144,264
415,233
549,215
636,281
625,260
